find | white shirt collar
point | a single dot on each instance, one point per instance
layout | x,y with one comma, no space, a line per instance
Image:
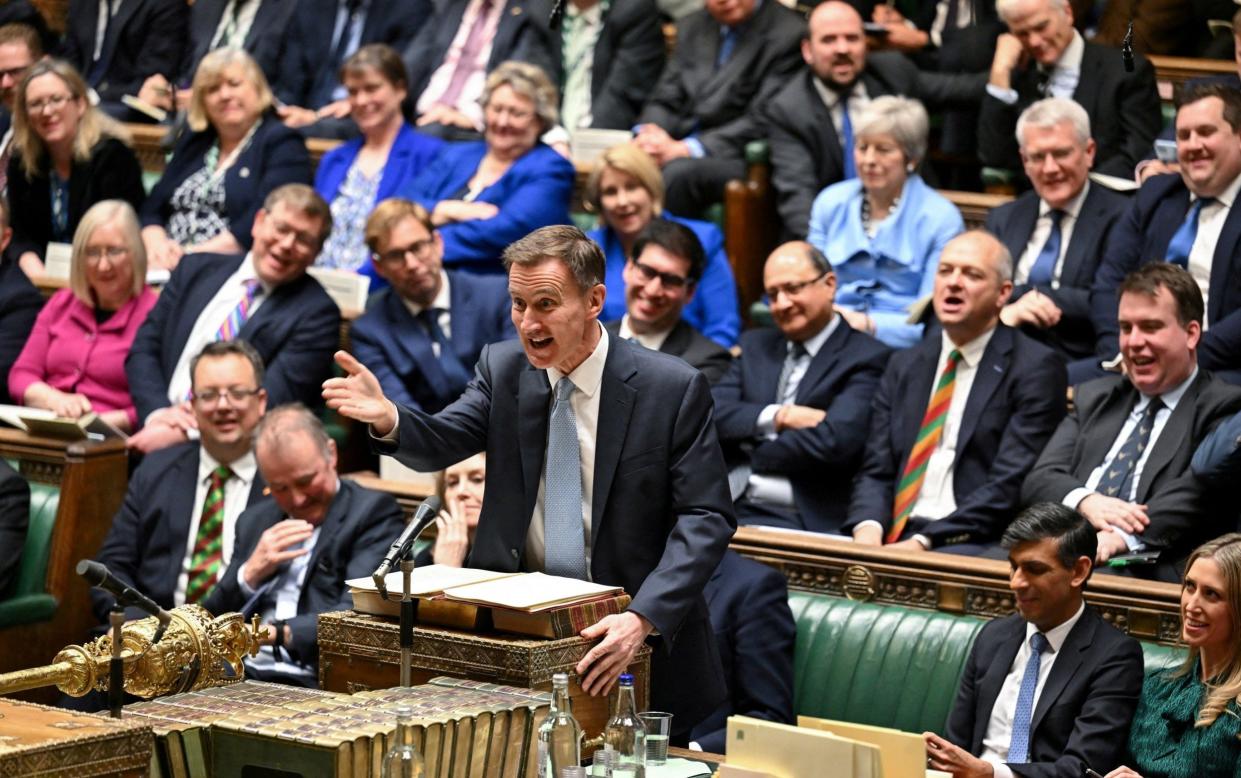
1172,396
831,97
1227,197
249,270
244,468
1072,209
589,375
441,301
1071,57
815,342
652,340
971,353
1057,635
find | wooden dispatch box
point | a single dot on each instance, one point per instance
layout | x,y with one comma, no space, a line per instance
358,652
56,743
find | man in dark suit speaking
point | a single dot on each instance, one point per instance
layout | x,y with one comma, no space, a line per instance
1050,690
619,479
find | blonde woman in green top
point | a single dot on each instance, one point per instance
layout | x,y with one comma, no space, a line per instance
1188,722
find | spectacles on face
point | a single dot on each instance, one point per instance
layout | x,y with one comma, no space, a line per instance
792,288
419,249
669,280
14,74
94,254
305,240
55,103
235,394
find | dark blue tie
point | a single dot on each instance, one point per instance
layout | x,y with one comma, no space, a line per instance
1044,267
1183,241
727,44
1019,745
1117,480
846,137
457,374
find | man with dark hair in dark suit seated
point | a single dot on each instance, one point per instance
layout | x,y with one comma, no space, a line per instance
295,549
1188,220
1042,55
1050,690
259,27
422,335
1057,232
1122,458
793,411
265,298
959,419
14,518
811,133
660,280
730,58
176,530
20,303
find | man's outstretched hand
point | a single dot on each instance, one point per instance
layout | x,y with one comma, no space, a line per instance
359,396
622,635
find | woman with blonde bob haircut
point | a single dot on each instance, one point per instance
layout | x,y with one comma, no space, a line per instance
236,153
626,190
1188,721
74,360
67,156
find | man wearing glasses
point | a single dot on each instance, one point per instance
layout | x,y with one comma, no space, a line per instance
422,335
660,280
265,298
793,410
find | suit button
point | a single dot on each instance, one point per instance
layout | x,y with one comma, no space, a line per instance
513,551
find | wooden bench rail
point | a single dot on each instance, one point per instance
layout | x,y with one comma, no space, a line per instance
1172,72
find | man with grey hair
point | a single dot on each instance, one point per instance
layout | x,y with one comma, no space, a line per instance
616,476
296,548
1056,233
1042,55
958,420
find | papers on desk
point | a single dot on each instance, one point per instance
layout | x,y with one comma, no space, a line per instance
346,288
428,581
588,144
38,421
527,592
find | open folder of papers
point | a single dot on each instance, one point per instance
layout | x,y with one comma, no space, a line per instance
38,421
854,750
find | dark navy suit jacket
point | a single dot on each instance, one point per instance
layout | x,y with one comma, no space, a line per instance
754,630
533,193
1013,223
145,546
696,349
14,519
397,348
661,515
1142,236
1015,403
20,303
353,538
275,156
295,330
144,37
821,462
264,41
1083,713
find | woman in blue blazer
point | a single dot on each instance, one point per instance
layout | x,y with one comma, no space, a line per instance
361,172
483,195
220,172
627,191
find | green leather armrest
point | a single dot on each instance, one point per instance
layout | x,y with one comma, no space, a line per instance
27,609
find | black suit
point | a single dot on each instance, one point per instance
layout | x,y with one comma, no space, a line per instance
146,543
20,302
1017,398
629,57
754,630
1176,501
144,37
1014,222
806,154
1083,713
295,330
660,511
14,518
353,538
821,462
264,40
692,346
1124,112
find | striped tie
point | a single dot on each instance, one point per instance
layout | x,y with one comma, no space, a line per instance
929,434
237,317
208,552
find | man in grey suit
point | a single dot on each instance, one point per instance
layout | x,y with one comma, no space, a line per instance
620,480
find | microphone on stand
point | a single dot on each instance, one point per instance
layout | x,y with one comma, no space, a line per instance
401,547
97,575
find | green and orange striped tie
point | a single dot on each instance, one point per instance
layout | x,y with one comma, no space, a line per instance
929,435
209,546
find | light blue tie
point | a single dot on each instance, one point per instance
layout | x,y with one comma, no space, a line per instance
728,42
1183,241
846,138
1044,267
1019,746
565,548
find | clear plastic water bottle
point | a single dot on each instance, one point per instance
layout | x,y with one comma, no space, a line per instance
560,736
625,735
403,760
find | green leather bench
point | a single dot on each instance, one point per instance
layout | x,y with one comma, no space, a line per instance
888,665
26,600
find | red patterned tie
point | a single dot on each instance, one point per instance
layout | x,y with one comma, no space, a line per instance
208,553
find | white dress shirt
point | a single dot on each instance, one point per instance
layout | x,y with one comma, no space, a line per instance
1064,77
442,301
236,494
858,98
1210,224
652,340
1000,726
1042,231
287,592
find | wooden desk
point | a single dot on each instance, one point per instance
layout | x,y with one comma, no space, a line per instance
1172,72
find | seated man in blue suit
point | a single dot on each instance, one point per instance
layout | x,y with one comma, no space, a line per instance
184,500
660,280
422,335
959,419
1056,233
1188,220
296,548
1050,690
264,298
793,411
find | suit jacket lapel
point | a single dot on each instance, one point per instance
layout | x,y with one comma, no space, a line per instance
1221,262
1085,231
125,10
1021,226
749,43
533,403
1007,644
678,339
336,515
182,477
768,361
991,370
1106,424
1172,439
615,407
1067,660
922,376
825,360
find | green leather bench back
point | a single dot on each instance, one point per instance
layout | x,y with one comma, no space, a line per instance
26,601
